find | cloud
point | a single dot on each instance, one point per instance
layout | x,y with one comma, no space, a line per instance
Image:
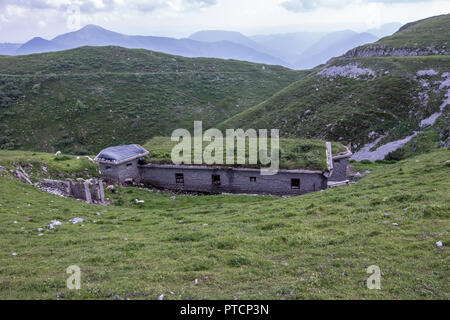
309,5
94,6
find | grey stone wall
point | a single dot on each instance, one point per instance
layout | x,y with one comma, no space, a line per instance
90,191
231,180
339,170
118,174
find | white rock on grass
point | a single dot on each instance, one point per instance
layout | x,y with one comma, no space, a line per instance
439,244
76,220
54,223
395,224
430,72
139,201
348,71
14,254
161,297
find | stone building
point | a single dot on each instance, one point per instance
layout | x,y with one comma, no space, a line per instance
126,164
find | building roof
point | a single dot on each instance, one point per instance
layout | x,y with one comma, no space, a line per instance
121,154
295,154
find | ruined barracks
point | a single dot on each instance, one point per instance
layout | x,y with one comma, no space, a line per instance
127,164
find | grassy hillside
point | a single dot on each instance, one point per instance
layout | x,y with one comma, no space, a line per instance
39,165
311,247
427,32
294,153
347,108
430,33
83,99
368,94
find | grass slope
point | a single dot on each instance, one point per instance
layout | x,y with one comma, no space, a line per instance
311,247
39,165
91,97
430,32
348,109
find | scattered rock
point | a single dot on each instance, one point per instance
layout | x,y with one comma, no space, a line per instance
161,297
58,153
76,220
139,201
173,198
395,224
439,244
53,224
430,72
21,174
14,254
196,281
349,71
40,234
386,215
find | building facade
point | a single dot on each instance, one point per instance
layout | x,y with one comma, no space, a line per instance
119,167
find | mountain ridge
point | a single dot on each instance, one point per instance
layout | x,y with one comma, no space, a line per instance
93,97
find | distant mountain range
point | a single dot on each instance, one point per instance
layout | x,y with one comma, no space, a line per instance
301,50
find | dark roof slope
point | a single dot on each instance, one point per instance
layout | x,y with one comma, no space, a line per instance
120,154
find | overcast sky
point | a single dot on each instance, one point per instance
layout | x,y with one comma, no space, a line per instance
21,20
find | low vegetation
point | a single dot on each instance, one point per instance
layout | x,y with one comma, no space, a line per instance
39,165
81,100
293,153
344,108
431,32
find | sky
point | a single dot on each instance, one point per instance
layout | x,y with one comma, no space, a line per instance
21,20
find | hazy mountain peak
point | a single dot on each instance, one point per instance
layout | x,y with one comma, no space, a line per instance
92,27
38,45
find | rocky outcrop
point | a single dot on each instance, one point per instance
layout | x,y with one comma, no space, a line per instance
380,51
348,71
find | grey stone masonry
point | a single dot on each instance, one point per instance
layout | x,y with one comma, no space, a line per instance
220,179
90,191
232,180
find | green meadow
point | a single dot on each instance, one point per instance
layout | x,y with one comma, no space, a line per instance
316,246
